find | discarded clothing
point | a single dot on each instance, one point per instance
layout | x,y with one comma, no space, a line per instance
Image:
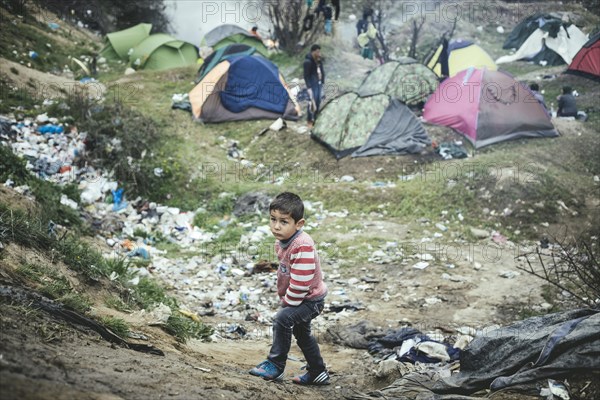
182,105
451,150
357,336
516,357
405,344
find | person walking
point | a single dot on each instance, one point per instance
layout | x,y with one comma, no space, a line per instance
314,77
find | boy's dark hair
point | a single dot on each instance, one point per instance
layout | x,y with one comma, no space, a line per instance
567,90
254,28
315,47
534,86
288,203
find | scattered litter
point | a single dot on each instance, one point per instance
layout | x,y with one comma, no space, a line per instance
480,233
441,227
509,274
421,265
449,150
64,200
498,238
555,389
190,315
278,125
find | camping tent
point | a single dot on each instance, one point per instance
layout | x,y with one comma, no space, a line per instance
461,54
224,53
161,51
549,22
227,34
367,126
406,80
242,88
488,107
554,43
587,60
119,43
221,32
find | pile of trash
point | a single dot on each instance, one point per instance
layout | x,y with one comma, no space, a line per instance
209,276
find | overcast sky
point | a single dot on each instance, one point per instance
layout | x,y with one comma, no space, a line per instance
191,19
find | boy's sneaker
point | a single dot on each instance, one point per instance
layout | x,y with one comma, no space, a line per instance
307,379
268,371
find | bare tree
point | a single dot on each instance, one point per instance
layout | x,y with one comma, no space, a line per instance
290,19
572,267
446,36
378,22
416,30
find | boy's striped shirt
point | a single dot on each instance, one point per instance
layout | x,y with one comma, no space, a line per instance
299,276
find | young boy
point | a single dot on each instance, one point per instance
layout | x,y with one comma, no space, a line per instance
302,292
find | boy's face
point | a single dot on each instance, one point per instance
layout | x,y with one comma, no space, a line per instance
283,225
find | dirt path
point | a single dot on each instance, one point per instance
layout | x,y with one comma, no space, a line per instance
46,359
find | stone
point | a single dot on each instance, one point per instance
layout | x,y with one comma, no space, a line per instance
480,233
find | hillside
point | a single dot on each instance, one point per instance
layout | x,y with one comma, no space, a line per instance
405,241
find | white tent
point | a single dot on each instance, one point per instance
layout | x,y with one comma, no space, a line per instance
567,43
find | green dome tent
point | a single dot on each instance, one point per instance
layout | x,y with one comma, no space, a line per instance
369,126
405,80
161,51
239,38
119,43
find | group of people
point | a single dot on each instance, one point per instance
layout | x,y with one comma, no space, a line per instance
271,42
567,105
367,35
328,14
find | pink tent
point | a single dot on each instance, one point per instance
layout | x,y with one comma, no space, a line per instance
488,107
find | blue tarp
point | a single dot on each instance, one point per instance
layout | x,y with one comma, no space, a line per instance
253,82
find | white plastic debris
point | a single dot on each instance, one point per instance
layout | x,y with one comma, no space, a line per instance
509,274
434,350
557,389
421,265
277,125
64,200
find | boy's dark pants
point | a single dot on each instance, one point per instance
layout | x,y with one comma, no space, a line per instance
296,321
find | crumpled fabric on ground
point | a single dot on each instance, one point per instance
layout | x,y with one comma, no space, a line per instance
513,357
356,336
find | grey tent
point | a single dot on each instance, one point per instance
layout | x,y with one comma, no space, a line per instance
221,32
369,126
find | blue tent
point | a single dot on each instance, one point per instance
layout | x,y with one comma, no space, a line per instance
254,82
